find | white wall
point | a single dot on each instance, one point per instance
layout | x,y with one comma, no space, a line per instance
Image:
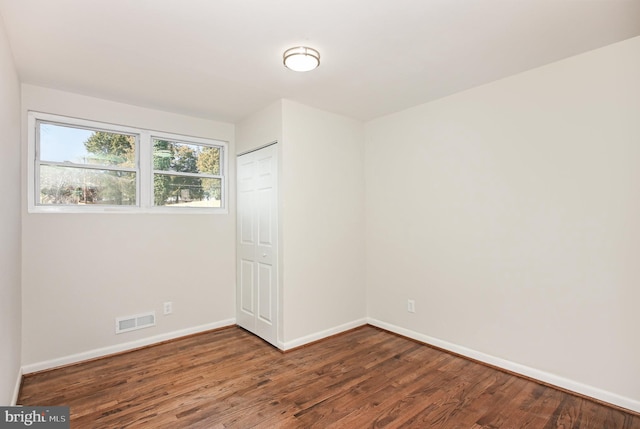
260,129
510,214
10,307
81,271
322,223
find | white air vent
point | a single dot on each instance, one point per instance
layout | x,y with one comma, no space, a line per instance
139,321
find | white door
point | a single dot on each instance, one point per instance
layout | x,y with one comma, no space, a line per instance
257,243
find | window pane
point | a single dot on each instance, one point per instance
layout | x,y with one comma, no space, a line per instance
181,191
68,144
185,158
83,186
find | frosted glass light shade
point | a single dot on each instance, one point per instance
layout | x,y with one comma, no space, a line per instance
301,59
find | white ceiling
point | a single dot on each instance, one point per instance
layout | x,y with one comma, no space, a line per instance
222,59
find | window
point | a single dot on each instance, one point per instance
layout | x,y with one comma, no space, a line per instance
81,166
186,174
85,166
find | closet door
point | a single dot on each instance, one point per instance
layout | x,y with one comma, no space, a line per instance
257,243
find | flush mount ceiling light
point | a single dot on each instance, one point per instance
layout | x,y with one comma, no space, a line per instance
301,59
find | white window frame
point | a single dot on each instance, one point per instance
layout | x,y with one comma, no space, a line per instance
144,168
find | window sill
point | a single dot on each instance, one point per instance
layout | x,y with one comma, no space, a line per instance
128,210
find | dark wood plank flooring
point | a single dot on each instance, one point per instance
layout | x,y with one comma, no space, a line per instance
365,378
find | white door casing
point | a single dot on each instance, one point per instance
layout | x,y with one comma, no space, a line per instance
257,243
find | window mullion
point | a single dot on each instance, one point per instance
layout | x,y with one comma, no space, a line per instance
87,166
185,174
146,168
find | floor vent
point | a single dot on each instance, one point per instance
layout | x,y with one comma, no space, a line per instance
139,321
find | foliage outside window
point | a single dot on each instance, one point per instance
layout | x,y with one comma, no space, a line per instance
87,166
79,166
186,174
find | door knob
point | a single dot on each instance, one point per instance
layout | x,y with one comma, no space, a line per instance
264,255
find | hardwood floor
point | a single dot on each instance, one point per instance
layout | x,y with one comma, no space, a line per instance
365,378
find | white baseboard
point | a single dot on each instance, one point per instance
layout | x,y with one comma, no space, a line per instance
552,379
16,389
105,351
526,371
320,335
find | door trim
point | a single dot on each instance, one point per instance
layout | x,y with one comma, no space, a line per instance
257,148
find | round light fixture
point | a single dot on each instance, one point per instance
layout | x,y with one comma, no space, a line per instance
301,59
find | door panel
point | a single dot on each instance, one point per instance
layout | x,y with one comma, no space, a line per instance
257,243
264,199
265,293
246,286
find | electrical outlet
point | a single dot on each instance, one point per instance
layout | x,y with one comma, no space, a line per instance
168,307
411,306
